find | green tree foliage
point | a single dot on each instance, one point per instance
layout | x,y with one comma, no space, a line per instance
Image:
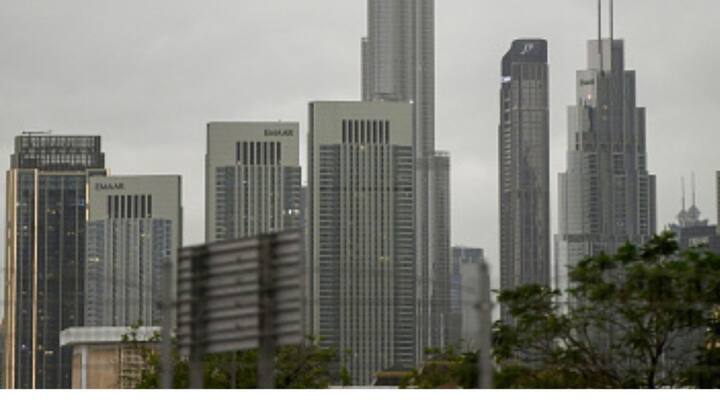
445,369
301,366
706,372
635,319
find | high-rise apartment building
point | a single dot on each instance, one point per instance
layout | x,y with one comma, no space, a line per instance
134,230
398,64
252,179
361,234
524,159
463,293
45,253
606,196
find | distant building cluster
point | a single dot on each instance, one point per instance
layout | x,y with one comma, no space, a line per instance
90,255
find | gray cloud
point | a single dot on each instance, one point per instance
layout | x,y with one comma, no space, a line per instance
148,75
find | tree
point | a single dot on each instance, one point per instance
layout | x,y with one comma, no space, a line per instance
445,369
301,366
634,319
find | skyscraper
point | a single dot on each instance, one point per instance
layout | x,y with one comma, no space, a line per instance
252,179
524,158
607,196
134,231
361,234
398,64
45,253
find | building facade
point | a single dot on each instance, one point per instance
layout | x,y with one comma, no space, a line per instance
252,179
524,159
45,253
461,292
134,231
361,234
606,196
690,230
103,360
398,65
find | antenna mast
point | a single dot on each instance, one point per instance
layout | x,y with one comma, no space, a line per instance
612,20
693,188
682,180
600,50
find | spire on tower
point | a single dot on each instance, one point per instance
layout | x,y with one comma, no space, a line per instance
600,47
693,188
612,20
682,180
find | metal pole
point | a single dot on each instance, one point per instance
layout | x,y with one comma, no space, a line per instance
484,306
197,346
266,351
167,305
233,371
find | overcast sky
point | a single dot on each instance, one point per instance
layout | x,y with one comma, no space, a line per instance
148,75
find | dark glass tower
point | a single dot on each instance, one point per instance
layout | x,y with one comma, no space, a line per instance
524,156
45,253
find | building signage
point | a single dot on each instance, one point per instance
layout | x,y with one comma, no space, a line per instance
527,48
279,132
587,82
109,186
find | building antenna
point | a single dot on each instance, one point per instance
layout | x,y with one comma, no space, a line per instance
600,50
682,181
693,188
612,20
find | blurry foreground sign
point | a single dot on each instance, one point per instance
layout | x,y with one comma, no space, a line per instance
241,294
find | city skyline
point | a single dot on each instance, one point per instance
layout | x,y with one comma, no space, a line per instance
65,101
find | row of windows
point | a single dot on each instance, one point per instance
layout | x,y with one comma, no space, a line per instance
129,206
258,153
366,131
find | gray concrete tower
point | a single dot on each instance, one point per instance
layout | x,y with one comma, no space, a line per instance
361,234
252,179
398,64
606,196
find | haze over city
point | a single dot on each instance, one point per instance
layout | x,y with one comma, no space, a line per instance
148,76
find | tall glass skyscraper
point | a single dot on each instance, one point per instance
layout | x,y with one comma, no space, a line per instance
45,254
398,64
524,158
361,234
606,196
